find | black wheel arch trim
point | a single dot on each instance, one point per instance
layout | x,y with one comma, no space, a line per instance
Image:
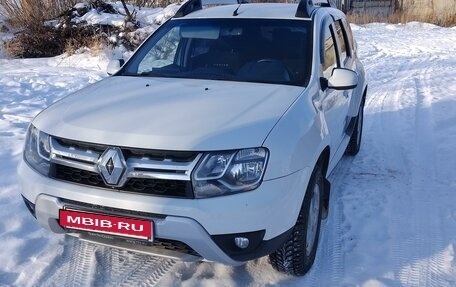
323,160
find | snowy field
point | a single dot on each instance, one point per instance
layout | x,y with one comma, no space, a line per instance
392,220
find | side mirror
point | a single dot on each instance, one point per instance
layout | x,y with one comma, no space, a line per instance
114,66
342,79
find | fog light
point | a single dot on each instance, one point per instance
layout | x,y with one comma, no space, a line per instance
241,242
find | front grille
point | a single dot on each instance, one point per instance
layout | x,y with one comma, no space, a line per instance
175,156
76,175
175,188
158,187
73,204
151,172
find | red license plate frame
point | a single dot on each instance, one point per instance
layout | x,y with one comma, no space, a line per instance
116,225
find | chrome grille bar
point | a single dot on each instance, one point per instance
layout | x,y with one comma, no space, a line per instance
72,153
144,163
73,157
75,164
147,168
157,175
136,167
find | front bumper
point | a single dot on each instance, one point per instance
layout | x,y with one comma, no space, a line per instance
202,224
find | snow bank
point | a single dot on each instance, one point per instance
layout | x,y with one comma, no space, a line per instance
144,16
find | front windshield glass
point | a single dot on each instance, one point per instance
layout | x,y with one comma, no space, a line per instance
248,50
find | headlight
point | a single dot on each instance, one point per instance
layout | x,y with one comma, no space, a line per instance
37,150
228,172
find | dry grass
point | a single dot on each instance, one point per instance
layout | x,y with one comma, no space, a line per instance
444,18
34,39
48,41
32,13
94,43
151,3
39,43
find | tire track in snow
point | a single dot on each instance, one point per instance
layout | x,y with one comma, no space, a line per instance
131,269
389,153
87,264
73,268
412,157
404,226
393,150
423,182
392,143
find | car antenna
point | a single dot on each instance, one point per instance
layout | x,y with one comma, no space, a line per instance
235,12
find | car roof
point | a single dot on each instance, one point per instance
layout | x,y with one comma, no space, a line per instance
254,10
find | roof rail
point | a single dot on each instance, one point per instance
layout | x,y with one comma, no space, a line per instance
307,7
327,3
195,5
188,7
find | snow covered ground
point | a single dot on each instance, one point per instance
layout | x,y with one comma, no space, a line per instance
392,220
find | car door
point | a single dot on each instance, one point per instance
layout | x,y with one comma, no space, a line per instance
334,103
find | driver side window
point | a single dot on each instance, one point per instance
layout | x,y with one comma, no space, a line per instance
329,57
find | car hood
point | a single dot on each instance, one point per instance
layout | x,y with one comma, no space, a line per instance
169,114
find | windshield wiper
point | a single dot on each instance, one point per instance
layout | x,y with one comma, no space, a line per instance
152,73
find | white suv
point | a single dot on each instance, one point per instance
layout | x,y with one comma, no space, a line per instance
214,141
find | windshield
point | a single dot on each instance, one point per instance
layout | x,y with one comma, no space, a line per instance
248,50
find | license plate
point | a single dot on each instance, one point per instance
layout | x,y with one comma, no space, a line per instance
109,224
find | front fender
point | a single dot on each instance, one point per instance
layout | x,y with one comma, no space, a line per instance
358,92
298,139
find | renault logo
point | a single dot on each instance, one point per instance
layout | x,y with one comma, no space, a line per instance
111,166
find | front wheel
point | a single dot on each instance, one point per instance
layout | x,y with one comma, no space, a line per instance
297,254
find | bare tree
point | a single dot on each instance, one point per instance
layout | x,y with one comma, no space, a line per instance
129,16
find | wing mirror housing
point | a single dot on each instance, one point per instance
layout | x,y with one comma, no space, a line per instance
114,66
341,79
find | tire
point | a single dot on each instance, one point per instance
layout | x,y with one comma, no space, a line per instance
297,254
355,140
